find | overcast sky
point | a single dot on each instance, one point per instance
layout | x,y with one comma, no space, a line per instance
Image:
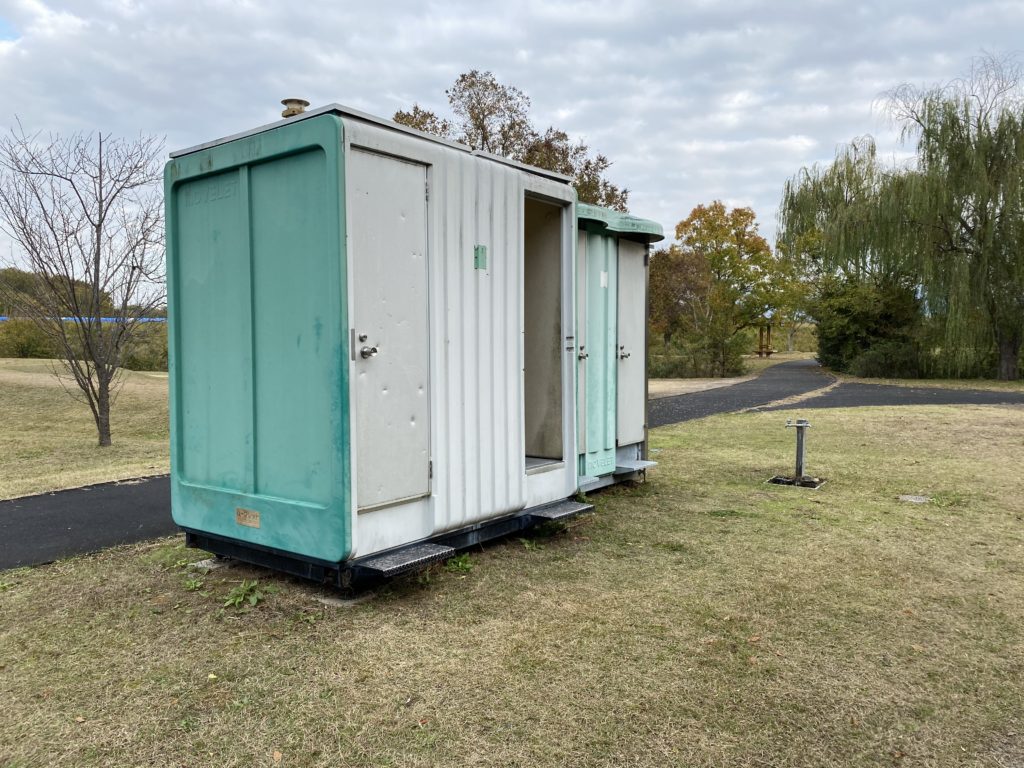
692,101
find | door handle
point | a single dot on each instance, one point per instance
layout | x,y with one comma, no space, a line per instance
368,352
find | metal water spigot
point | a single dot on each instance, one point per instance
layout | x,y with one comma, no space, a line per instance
801,426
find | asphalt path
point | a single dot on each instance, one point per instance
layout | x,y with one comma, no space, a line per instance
776,383
861,395
40,529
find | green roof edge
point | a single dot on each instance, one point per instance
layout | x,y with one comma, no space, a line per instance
624,224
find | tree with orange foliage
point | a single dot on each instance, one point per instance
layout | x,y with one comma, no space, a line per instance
718,278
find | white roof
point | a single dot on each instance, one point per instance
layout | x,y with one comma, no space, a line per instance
340,109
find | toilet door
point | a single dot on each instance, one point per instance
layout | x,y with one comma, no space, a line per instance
597,319
631,351
387,232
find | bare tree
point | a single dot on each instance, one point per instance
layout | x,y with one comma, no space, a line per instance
86,211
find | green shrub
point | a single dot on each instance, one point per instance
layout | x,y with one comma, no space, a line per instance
667,367
888,359
687,357
854,317
23,338
147,351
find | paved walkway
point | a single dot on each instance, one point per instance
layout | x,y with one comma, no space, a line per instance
776,383
39,529
861,395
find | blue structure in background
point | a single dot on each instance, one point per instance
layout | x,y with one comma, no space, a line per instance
104,319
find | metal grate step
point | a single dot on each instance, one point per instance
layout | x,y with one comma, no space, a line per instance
559,511
407,559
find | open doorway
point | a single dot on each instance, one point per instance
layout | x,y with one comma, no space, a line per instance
542,305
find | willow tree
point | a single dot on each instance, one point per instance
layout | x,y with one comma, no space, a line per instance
832,218
963,205
951,221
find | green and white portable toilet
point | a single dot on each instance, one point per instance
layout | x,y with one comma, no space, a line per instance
371,345
612,256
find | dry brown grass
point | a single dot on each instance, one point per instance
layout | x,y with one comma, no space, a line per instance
985,384
49,439
703,619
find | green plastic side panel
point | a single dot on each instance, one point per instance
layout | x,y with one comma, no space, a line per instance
601,318
215,375
258,340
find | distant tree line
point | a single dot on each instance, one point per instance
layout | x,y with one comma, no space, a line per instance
22,337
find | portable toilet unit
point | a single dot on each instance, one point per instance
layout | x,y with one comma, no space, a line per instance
372,355
612,258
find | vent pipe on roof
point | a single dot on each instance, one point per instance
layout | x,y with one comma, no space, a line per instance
293,107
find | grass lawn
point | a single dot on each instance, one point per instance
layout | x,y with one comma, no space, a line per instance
49,439
702,619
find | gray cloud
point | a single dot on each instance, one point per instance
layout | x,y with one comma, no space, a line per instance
692,101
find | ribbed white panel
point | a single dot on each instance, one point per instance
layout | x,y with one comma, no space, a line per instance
476,349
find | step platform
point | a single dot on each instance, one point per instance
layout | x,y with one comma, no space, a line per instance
405,559
562,510
418,556
628,467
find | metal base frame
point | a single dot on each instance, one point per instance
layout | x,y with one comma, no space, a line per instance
373,569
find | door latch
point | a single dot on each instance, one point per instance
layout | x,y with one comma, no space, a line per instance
583,355
368,352
623,354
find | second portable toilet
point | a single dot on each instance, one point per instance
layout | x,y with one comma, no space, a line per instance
612,257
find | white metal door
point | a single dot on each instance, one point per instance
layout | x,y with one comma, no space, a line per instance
387,232
632,350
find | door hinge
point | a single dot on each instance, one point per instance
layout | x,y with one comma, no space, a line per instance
430,470
426,189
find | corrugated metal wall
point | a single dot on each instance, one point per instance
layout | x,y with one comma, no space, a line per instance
479,441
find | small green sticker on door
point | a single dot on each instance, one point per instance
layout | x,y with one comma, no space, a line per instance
479,257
